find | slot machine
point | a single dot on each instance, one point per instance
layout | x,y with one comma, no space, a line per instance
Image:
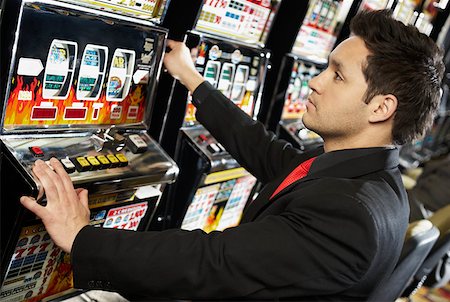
429,15
290,127
423,14
213,189
316,38
404,11
77,84
375,4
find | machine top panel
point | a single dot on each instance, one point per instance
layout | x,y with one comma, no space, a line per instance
73,69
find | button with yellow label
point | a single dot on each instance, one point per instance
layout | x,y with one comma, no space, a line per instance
94,162
104,162
122,159
81,164
113,160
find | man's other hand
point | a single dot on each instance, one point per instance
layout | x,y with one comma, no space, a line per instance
180,65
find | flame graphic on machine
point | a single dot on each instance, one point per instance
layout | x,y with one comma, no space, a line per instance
26,106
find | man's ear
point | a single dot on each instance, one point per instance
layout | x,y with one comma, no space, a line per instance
382,108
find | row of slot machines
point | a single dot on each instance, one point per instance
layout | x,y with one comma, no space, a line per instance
79,81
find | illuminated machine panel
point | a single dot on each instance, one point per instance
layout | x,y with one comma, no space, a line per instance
145,9
236,70
298,90
320,29
404,11
294,95
295,103
375,4
92,72
86,80
237,19
220,205
39,269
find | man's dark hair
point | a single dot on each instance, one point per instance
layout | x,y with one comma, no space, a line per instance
402,62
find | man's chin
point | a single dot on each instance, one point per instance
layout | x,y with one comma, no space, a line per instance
309,125
306,122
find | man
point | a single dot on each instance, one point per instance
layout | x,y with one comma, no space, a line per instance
332,235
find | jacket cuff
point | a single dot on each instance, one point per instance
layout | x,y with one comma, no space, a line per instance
201,93
83,269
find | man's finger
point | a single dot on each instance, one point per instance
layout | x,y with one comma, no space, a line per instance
52,183
33,206
83,196
40,171
65,178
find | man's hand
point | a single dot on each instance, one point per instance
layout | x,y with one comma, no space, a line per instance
67,211
179,64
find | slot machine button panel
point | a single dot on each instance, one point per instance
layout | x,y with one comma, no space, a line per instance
68,165
202,138
222,148
123,161
81,164
95,164
213,148
36,151
113,160
104,162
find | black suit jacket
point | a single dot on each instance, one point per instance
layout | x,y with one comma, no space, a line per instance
332,235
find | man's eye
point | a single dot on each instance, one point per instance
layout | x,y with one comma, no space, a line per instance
337,76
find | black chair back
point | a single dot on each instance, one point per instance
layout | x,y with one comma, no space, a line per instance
415,249
435,270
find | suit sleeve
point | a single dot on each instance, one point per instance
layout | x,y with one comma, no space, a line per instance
304,251
247,140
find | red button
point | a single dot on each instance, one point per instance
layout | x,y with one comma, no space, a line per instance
202,137
36,151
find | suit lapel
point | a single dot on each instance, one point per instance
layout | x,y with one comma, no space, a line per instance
337,164
263,199
343,166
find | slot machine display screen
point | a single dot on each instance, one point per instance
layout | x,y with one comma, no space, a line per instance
320,28
145,9
233,70
243,20
65,75
375,4
404,11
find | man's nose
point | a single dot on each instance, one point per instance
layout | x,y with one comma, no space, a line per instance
315,83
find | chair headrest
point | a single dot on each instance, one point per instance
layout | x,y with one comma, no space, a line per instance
417,227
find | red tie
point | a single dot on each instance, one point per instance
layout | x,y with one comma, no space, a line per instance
298,173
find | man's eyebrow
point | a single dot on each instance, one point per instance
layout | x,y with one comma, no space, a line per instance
336,64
